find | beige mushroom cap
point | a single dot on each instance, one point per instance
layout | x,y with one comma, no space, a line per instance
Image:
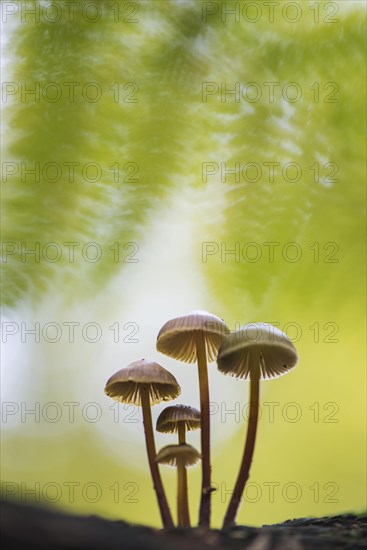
170,417
172,455
177,337
257,345
124,385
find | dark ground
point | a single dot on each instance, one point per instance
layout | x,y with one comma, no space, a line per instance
28,528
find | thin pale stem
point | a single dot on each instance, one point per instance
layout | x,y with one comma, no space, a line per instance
181,432
204,514
183,514
151,452
182,499
244,472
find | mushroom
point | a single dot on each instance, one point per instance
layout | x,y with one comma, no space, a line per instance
181,456
256,351
178,419
190,338
146,383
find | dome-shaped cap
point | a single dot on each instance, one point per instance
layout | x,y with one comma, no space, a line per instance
172,455
124,385
177,337
257,345
170,417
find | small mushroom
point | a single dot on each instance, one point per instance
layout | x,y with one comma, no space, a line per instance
178,419
146,383
190,338
182,456
256,351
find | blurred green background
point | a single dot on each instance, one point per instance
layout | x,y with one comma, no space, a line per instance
149,125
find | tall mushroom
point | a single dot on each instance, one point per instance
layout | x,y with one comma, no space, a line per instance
190,338
181,456
178,419
256,351
146,383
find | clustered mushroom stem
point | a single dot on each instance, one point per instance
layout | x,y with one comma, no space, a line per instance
183,515
181,432
151,452
244,472
204,514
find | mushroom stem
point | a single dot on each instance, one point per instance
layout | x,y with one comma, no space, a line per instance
183,515
181,432
244,472
204,514
151,452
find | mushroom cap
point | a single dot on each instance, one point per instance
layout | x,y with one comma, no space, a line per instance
170,417
124,385
177,337
257,345
172,455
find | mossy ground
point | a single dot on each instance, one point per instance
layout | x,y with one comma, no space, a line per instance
28,527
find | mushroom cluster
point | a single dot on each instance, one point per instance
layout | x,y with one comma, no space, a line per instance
255,351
